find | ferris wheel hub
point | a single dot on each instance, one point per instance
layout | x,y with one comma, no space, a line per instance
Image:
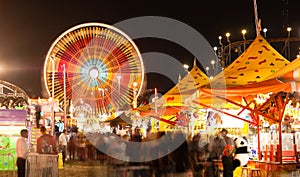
94,72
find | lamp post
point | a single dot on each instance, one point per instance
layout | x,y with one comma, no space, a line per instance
221,53
119,89
135,95
186,67
213,62
229,47
102,100
52,58
244,38
289,29
65,97
265,32
207,69
215,49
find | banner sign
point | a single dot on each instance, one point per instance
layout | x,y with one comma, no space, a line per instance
12,115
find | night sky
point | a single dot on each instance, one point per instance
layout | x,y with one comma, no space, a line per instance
28,28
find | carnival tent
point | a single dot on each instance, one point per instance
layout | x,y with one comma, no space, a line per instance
168,107
174,99
290,72
184,88
258,61
259,81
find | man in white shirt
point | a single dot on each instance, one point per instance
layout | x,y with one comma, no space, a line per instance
22,151
62,140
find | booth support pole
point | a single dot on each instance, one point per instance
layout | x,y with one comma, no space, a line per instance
258,136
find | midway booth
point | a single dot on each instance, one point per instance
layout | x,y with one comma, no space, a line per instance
258,81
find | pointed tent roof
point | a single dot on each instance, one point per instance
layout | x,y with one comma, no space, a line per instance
188,85
290,72
258,61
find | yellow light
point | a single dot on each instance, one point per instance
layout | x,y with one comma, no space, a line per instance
227,34
244,31
289,29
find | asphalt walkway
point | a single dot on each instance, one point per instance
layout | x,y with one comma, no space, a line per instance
84,169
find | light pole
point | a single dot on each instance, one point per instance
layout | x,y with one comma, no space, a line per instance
207,69
213,62
215,49
289,29
119,90
102,100
186,67
52,58
265,32
229,47
244,38
134,95
221,53
65,97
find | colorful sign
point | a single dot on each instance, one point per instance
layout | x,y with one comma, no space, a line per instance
12,116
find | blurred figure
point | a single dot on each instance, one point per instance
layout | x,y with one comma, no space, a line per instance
62,141
227,154
194,152
181,154
46,144
90,150
22,151
71,147
81,147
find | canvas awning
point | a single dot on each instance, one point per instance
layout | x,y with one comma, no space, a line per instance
258,61
184,88
290,72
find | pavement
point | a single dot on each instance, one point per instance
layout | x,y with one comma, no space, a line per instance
84,169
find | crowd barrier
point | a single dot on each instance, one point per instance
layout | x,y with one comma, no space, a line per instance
41,165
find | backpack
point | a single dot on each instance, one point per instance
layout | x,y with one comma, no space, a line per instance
46,147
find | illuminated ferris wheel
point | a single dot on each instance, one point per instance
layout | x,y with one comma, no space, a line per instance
95,62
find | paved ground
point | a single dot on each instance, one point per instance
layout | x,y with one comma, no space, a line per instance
84,169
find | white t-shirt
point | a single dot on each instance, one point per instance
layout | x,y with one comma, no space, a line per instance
22,148
62,139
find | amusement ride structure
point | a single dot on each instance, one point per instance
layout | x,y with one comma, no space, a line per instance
95,63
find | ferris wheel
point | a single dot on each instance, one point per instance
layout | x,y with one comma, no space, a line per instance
97,63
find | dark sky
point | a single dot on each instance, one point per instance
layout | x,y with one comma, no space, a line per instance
28,28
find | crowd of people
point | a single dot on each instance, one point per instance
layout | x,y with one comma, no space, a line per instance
164,153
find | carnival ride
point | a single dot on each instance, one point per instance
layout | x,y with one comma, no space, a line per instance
11,95
95,62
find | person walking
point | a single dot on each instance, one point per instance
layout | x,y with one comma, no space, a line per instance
72,147
62,141
46,144
215,148
22,151
227,155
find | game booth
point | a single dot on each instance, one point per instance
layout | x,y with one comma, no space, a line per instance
12,121
260,89
270,94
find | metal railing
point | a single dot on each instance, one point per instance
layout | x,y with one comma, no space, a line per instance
41,165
